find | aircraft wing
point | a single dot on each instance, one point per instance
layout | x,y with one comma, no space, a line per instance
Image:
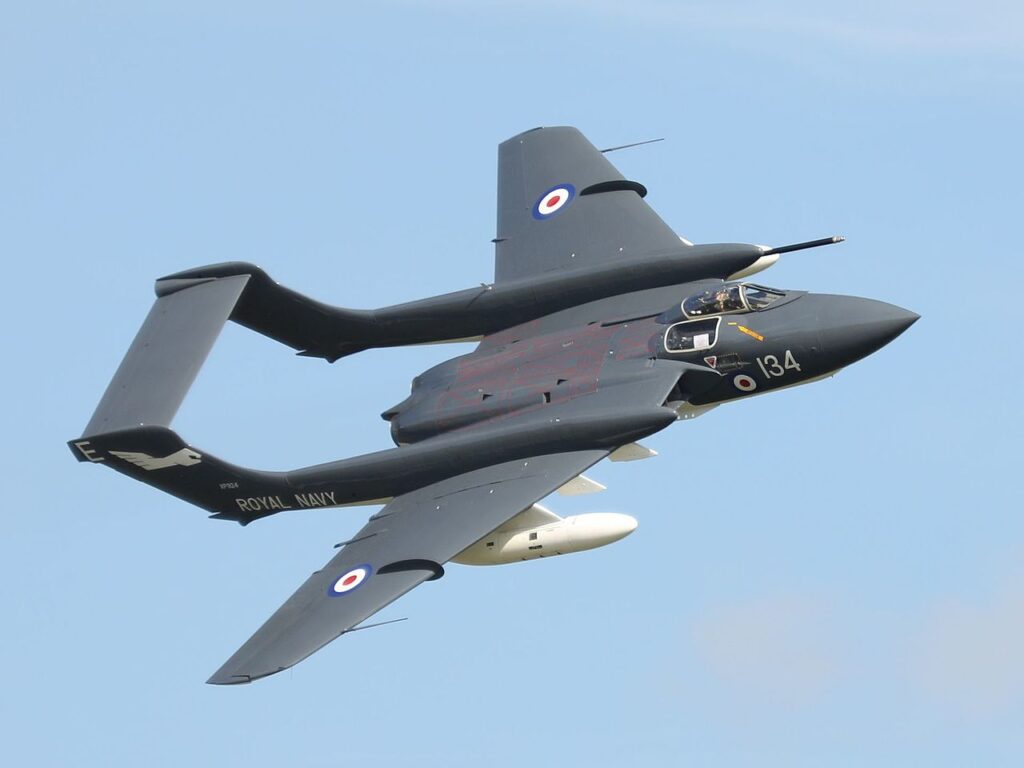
562,205
400,547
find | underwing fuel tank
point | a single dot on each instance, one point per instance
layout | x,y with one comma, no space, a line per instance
554,535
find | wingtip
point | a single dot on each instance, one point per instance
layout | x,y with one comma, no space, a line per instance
230,680
221,677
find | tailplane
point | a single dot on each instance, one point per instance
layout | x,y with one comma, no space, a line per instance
130,429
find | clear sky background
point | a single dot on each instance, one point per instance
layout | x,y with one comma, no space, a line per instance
832,575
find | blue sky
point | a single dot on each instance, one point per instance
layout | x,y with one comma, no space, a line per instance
830,575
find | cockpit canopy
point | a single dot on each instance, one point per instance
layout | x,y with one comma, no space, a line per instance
759,297
730,298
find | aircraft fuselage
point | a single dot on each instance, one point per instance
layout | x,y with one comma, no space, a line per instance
797,338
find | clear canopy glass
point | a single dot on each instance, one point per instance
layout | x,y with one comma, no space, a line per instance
759,297
730,298
717,301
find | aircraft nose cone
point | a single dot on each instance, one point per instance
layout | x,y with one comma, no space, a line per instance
852,328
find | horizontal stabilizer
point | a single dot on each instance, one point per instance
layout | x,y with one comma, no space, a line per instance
166,356
129,431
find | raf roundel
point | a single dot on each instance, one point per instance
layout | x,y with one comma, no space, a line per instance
744,383
350,580
553,201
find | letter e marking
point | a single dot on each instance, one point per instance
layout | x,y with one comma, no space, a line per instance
89,453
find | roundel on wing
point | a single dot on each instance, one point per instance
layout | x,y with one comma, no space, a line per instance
350,580
553,201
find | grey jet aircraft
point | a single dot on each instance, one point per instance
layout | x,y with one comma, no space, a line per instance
602,327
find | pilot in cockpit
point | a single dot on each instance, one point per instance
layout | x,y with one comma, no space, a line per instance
722,302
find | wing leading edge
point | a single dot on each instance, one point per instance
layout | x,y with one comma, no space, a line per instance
403,545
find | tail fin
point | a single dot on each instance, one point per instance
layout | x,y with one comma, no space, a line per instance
129,430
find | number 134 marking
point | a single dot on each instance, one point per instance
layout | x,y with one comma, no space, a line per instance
771,367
